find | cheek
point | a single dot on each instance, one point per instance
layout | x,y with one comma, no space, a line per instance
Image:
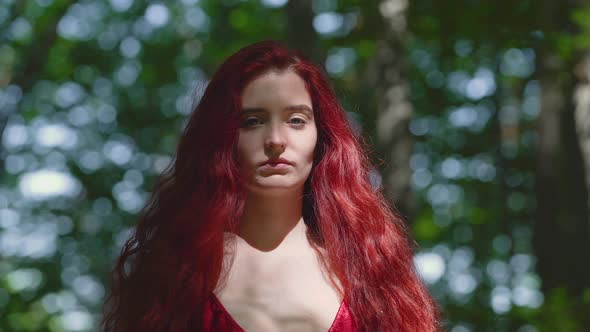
243,149
312,144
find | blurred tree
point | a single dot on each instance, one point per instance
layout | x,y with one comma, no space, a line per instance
33,55
386,74
562,225
93,95
300,33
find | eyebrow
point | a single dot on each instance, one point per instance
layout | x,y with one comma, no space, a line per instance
302,108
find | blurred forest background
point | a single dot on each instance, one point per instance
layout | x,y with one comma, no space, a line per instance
480,111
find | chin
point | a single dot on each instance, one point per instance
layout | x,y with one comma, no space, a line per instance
274,187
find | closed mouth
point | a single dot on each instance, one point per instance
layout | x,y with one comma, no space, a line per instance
277,162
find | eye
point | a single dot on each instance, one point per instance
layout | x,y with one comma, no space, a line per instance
251,122
298,121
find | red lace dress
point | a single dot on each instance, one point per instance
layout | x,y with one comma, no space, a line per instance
216,318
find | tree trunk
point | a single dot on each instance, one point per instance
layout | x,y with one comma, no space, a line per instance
300,32
394,110
561,230
582,123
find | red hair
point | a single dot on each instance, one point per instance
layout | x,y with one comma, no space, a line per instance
173,260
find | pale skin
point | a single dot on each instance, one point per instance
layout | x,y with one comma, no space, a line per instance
276,282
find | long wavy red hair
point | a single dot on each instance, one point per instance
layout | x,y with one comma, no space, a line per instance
173,260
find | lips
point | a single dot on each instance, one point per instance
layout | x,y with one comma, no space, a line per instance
276,162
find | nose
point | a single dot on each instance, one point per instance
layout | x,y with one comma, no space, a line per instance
274,140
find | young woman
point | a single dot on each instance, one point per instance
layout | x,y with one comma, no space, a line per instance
266,220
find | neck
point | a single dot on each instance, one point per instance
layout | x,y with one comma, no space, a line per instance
268,221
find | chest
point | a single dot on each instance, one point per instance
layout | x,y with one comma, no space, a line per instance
286,292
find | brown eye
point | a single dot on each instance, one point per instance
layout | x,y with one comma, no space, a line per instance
251,122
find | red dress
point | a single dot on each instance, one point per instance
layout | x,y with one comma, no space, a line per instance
216,318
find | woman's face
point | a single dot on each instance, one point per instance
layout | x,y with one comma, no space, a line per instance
277,122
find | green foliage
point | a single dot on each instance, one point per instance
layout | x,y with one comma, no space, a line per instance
425,229
122,88
558,304
581,17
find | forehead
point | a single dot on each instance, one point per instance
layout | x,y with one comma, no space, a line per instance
276,89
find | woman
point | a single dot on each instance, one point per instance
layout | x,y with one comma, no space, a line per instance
266,221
